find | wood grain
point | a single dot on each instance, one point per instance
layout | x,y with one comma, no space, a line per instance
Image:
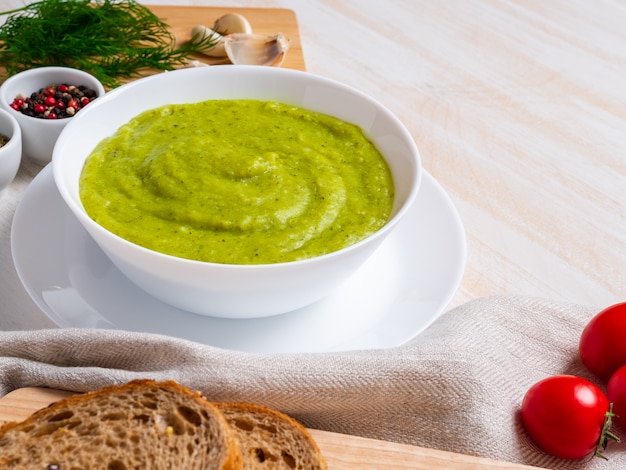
517,108
341,451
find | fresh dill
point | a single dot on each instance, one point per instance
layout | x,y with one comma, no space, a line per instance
114,40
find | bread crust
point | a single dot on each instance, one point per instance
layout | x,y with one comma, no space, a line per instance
270,439
161,420
36,437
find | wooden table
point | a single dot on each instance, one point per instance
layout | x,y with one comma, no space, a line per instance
519,111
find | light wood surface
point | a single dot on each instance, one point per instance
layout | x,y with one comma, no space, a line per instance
342,452
518,110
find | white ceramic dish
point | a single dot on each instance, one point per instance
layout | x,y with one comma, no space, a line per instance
11,152
398,292
236,290
40,135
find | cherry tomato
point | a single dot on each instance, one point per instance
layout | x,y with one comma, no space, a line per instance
602,346
616,393
565,415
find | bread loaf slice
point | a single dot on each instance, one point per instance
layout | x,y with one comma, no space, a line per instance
140,425
270,439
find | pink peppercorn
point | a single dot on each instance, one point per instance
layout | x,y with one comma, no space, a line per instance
54,102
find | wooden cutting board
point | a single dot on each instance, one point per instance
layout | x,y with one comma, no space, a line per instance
268,21
341,451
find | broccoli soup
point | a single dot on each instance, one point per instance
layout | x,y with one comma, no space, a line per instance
238,182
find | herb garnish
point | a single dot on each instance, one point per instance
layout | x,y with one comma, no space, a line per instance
111,39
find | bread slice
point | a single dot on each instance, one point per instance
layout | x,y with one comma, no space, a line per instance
140,425
270,439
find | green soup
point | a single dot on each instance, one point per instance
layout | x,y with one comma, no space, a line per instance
238,181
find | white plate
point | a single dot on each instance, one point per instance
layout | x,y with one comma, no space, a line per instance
392,298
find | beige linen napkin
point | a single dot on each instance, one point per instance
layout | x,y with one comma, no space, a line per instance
456,387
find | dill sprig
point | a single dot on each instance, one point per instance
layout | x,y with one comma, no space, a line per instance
113,40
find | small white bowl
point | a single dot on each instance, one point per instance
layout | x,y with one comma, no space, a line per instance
11,152
39,135
225,290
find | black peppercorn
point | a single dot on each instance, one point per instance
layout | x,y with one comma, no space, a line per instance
54,102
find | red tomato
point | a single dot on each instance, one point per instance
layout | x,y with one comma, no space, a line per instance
602,346
616,393
565,415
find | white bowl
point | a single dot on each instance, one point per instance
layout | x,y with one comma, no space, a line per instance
235,291
11,152
40,135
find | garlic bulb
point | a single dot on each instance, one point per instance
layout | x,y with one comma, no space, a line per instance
256,49
231,23
201,32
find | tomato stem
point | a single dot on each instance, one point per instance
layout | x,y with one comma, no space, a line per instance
606,433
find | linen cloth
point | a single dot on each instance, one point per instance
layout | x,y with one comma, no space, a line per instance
457,386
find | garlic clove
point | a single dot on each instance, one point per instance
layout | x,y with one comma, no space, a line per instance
200,31
256,49
232,23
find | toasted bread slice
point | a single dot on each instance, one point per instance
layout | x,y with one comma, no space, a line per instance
270,439
140,425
